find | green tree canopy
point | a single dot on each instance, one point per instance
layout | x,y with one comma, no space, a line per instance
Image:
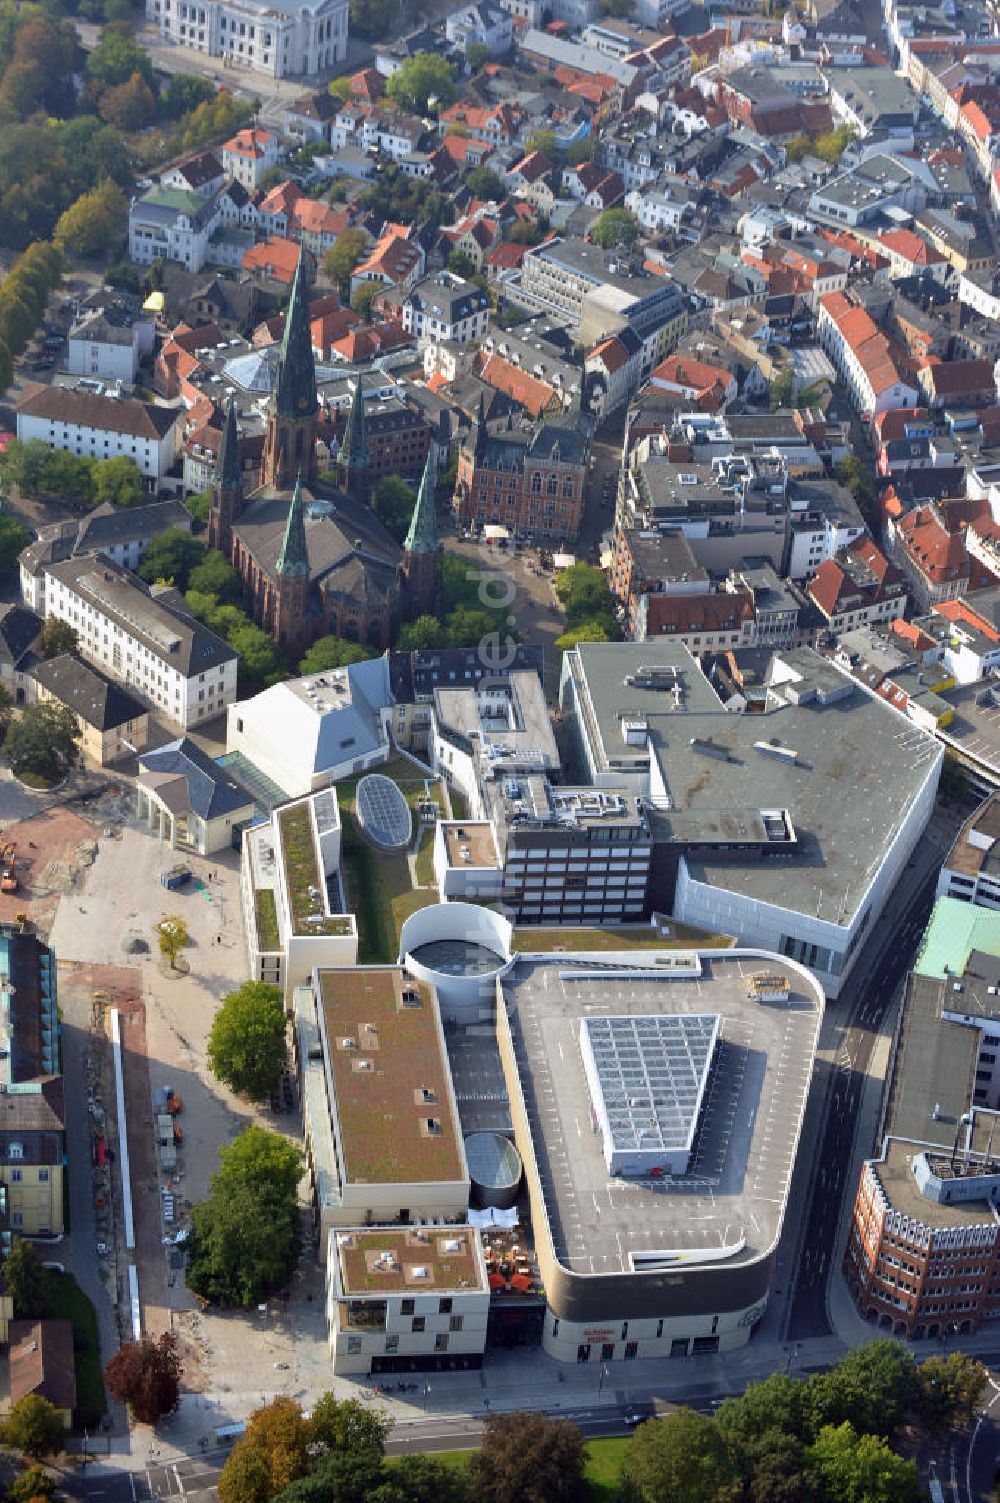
587,631
949,1391
849,1468
185,92
528,1458
57,637
216,576
119,482
333,652
171,556
874,1387
363,296
35,1427
26,1282
584,593
341,259
14,538
245,1236
682,1456
614,227
373,18
393,502
346,1425
44,743
483,183
93,222
461,263
129,105
424,77
116,58
246,1045
33,1482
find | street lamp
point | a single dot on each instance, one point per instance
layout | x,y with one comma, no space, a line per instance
427,1394
604,1374
793,1352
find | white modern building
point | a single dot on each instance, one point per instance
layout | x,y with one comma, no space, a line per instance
141,637
309,732
276,38
414,1296
101,427
294,905
787,827
103,350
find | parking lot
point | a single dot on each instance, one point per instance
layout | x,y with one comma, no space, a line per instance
735,1187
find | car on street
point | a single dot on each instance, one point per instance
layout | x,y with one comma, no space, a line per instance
637,1417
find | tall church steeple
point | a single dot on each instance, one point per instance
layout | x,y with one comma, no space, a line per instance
354,460
420,549
227,485
292,571
290,439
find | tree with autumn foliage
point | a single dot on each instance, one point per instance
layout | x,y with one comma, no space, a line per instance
146,1375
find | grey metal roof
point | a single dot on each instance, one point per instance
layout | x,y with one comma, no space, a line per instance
211,789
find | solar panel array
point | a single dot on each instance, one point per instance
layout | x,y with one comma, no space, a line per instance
383,811
651,1072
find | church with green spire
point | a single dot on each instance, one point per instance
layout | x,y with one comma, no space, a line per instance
312,556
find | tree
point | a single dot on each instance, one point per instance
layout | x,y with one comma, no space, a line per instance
423,635
340,88
35,1427
333,652
461,263
873,1387
949,1391
485,184
774,1404
216,576
343,1477
172,937
528,1458
362,296
94,221
393,502
346,1425
587,631
130,105
860,1469
584,593
245,1236
526,232
146,1375
545,142
420,79
782,388
477,55
341,259
57,637
14,538
373,18
185,92
115,59
33,1482
44,744
681,1456
278,1436
614,227
118,482
247,1046
26,1282
199,505
244,1477
171,556
776,1470
260,660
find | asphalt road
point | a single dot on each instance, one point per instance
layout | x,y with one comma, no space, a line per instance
868,995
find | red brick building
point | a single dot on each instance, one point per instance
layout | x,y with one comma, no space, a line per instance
527,480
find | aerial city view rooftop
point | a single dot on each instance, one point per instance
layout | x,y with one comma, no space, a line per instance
500,751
